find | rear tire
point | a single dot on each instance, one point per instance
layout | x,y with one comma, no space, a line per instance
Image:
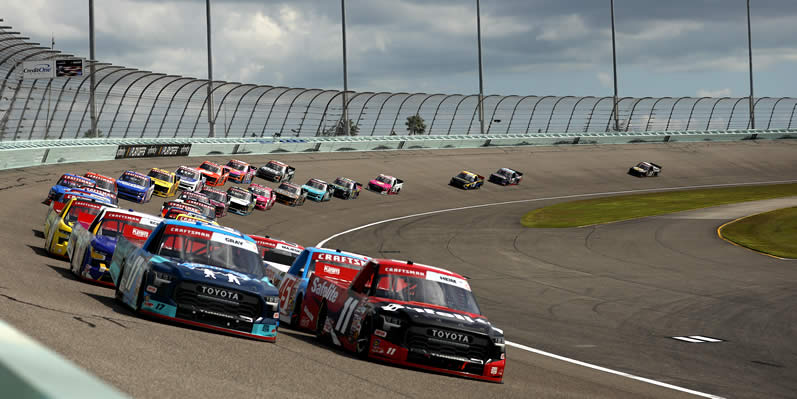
297,308
363,345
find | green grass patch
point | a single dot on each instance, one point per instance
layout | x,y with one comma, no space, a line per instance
613,209
774,232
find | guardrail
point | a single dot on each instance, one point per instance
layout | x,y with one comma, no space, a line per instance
19,154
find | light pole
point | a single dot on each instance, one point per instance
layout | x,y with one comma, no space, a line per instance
481,78
91,70
750,58
345,72
210,73
614,70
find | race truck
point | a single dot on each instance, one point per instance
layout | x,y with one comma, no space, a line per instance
467,180
67,181
290,194
174,210
407,314
198,274
190,179
346,188
201,208
218,199
58,224
199,200
276,171
90,248
277,253
384,184
506,177
166,182
104,183
645,169
240,171
335,265
134,186
242,202
213,174
264,196
317,190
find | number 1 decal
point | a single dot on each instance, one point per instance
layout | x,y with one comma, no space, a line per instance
345,314
391,351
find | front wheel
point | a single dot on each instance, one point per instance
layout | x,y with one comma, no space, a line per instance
363,344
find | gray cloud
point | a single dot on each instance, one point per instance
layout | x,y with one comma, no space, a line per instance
530,46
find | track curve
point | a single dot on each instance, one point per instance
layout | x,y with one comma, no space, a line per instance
599,299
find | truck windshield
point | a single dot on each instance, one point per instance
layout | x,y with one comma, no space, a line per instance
423,290
210,248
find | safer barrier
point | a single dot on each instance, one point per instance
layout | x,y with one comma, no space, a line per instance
18,154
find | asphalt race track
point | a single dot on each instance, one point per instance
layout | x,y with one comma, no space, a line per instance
612,295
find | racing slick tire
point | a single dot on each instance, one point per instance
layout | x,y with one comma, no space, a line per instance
363,345
297,307
319,326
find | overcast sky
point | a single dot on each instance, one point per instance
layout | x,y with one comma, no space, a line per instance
541,47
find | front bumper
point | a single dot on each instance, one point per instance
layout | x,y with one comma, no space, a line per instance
176,301
162,191
96,270
240,209
377,188
130,195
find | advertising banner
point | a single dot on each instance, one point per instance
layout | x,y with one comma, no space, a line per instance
38,69
152,150
70,67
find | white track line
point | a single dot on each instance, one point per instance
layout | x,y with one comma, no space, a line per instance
548,354
615,372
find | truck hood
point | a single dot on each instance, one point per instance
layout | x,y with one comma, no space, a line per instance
286,193
130,186
379,183
217,276
418,313
313,190
239,201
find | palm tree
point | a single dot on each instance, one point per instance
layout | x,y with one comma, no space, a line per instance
415,125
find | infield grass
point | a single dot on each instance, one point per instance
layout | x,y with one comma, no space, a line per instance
773,233
613,209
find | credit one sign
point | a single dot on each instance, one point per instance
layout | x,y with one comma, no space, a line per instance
48,69
38,69
152,150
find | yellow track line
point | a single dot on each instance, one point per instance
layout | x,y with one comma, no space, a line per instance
719,234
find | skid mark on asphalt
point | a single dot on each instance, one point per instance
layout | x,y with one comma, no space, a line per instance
80,319
76,316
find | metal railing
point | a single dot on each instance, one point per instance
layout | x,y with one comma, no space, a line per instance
140,104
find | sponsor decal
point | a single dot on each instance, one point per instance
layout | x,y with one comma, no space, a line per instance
447,279
88,205
185,231
404,271
337,258
153,150
231,278
136,234
152,289
77,179
380,333
236,242
325,290
219,293
123,216
448,335
331,270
